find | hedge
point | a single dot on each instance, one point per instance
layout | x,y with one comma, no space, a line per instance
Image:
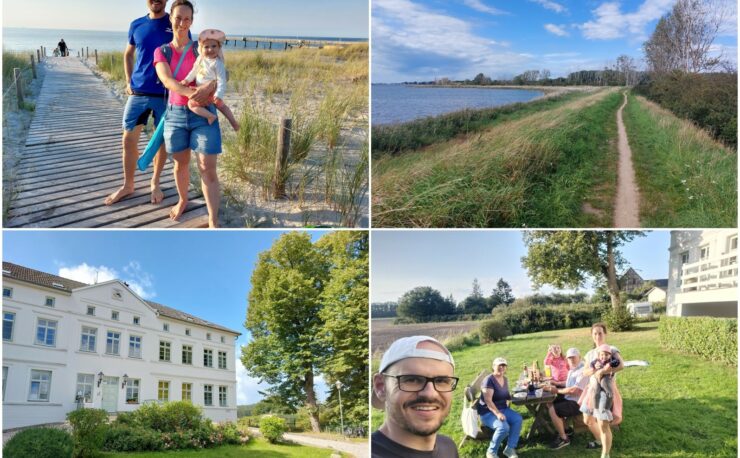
39,443
711,338
525,320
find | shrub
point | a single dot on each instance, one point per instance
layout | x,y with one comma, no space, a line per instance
618,319
228,433
711,338
528,319
170,417
39,443
125,438
461,341
493,331
272,428
88,430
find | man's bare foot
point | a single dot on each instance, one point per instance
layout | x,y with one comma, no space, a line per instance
178,209
118,194
212,119
157,194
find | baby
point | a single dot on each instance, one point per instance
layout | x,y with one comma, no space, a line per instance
605,359
210,66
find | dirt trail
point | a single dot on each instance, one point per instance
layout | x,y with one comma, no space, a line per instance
627,207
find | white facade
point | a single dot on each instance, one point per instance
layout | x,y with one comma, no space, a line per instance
656,294
57,343
703,273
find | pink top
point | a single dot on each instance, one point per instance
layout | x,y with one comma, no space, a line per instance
559,367
187,65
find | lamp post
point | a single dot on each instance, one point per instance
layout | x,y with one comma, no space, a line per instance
125,381
341,415
100,378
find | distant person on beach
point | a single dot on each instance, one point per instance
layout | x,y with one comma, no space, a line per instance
414,386
63,51
185,131
209,66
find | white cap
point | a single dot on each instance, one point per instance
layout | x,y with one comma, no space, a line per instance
406,347
572,352
499,361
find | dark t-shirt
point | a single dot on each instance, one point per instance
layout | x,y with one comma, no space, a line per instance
382,447
500,394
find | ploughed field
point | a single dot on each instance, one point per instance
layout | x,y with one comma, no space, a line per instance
384,332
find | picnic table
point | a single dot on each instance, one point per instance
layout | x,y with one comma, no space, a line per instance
537,406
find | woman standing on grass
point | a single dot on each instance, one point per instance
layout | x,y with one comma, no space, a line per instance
184,130
494,411
598,422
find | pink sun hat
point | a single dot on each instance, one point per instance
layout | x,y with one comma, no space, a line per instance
212,34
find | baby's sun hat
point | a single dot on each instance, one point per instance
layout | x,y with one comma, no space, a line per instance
212,34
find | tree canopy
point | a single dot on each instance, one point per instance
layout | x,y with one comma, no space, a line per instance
422,302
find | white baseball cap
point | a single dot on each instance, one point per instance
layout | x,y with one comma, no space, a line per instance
406,347
499,361
572,352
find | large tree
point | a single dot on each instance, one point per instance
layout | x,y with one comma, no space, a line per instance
422,302
501,294
475,303
568,259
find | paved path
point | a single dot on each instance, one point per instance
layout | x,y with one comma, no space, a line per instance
72,160
357,449
627,207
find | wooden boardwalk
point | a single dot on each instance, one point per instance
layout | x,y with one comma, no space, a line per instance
72,160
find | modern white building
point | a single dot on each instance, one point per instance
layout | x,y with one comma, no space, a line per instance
68,344
703,273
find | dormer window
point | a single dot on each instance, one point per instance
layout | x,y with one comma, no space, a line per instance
114,315
49,301
166,327
57,285
118,294
137,320
91,310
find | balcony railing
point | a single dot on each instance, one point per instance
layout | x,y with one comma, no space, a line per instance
709,274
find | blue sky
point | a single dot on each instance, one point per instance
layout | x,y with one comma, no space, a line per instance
426,39
449,260
203,273
325,18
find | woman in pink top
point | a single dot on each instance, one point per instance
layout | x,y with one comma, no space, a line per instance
184,130
558,363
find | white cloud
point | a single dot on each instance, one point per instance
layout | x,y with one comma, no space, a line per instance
88,274
611,23
247,388
558,30
138,280
482,7
550,5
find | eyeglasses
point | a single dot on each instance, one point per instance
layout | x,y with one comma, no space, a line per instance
416,383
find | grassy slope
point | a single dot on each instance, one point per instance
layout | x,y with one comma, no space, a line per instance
535,171
679,406
686,179
255,447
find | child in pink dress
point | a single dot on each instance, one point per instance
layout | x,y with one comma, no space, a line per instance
557,363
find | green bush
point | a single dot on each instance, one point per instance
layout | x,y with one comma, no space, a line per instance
228,433
125,438
169,417
711,338
272,428
528,319
88,430
461,341
39,443
619,319
493,331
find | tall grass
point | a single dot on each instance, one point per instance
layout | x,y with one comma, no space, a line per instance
12,60
686,178
112,63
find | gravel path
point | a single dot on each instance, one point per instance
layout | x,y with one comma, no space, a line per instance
356,449
627,208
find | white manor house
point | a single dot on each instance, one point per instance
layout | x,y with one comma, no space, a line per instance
67,345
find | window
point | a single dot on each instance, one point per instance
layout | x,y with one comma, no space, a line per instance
87,342
208,336
704,253
5,379
208,358
163,391
132,391
46,332
112,343
187,331
7,292
114,315
222,360
187,354
137,320
166,327
164,350
85,387
49,301
40,385
91,310
733,243
134,346
187,391
208,395
684,257
223,339
222,396
8,321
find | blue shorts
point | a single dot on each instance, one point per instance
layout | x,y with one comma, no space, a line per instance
184,129
138,108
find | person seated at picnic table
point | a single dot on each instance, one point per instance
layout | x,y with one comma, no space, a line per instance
557,363
493,408
565,404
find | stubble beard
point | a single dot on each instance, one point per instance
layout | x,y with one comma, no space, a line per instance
399,418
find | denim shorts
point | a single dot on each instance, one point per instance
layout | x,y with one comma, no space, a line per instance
138,108
184,129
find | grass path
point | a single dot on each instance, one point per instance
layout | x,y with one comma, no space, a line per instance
627,205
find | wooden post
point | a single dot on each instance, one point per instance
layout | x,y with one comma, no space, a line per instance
38,55
96,57
33,67
18,85
281,159
286,46
87,52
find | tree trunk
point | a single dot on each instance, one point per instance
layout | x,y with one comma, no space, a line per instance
313,409
611,277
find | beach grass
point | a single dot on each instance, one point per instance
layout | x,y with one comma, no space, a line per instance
678,406
540,169
686,178
12,60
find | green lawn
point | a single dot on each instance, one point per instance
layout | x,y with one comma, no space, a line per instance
255,447
679,406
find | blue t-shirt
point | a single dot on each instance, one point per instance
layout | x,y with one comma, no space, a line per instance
147,35
500,394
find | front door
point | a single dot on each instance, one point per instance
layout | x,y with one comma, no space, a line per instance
110,394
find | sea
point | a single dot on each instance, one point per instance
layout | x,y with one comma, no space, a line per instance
21,39
396,103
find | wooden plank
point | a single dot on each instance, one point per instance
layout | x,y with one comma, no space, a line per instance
161,217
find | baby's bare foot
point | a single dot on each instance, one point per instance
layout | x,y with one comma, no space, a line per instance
212,119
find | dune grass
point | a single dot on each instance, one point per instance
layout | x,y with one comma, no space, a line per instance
686,178
534,171
679,406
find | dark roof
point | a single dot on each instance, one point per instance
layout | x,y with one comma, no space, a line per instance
660,283
48,280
